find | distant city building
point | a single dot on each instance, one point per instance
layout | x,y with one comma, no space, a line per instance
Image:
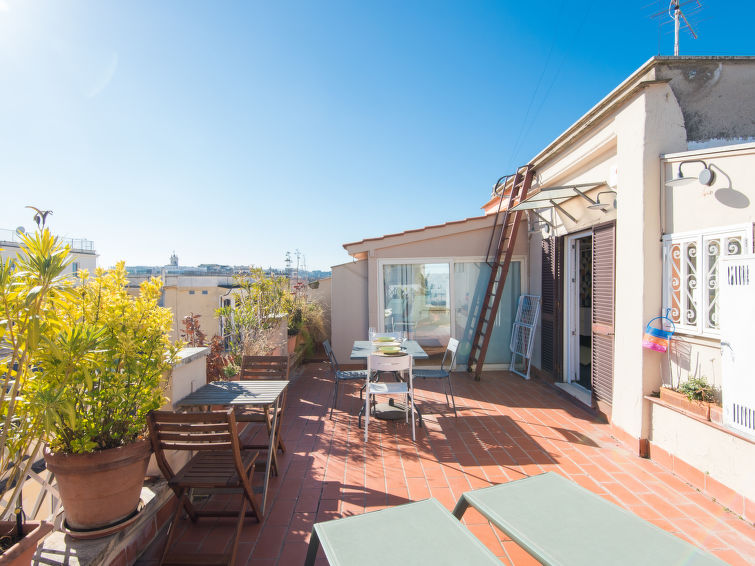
81,250
198,289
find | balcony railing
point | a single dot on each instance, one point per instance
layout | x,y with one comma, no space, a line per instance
76,244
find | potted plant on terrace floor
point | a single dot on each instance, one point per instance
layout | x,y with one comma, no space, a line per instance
102,372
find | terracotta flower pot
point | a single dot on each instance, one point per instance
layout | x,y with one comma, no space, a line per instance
716,414
21,553
102,488
699,408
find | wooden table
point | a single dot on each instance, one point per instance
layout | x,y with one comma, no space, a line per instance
561,523
260,393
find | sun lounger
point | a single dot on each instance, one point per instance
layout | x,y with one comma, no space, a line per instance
417,533
561,523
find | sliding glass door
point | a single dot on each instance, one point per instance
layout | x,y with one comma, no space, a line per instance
417,300
470,282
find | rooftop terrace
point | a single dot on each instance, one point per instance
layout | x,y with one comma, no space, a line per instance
507,428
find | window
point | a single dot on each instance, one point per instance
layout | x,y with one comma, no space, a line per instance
75,268
432,299
204,291
690,275
191,292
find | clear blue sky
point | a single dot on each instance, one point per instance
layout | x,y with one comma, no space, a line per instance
234,131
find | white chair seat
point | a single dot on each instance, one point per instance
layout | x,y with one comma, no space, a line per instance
397,364
389,388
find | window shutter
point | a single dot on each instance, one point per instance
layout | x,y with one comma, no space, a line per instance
550,328
603,299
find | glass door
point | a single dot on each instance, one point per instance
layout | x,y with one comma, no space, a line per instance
417,300
470,282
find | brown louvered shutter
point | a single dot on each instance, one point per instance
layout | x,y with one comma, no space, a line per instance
550,327
603,299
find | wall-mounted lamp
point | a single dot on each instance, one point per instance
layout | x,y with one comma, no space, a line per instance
538,223
705,177
602,206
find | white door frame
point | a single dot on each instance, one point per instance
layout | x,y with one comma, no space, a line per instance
571,307
523,285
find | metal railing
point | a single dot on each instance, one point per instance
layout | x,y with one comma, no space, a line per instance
76,244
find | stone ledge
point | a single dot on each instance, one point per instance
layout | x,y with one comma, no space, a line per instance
122,548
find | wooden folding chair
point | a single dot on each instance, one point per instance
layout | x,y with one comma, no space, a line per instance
264,367
218,465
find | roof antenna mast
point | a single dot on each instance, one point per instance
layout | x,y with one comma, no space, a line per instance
676,14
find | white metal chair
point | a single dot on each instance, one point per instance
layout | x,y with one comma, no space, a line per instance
375,363
444,372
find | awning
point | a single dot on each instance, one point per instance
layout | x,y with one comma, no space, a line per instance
554,196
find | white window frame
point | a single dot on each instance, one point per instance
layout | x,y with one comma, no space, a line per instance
451,261
703,275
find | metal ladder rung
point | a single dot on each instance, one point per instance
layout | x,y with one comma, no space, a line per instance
499,267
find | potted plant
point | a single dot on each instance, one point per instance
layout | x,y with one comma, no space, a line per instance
253,320
102,371
31,286
231,371
695,396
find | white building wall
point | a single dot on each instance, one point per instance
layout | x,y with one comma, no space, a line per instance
647,126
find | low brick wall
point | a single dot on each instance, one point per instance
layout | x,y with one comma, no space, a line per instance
119,549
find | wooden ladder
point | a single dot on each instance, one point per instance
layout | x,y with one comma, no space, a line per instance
499,267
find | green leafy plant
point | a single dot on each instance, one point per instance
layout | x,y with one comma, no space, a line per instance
217,359
231,370
260,302
103,369
192,333
698,389
32,288
308,319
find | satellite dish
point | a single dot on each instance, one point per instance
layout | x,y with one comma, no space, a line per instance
20,230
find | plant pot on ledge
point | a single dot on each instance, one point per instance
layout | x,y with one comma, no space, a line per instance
100,489
21,553
716,414
680,400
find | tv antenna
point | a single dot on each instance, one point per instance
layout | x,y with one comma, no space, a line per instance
679,18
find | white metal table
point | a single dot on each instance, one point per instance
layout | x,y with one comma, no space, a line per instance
388,411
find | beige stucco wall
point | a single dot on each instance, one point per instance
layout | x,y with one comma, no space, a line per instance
728,459
683,101
189,374
455,241
178,296
180,300
348,308
728,201
649,125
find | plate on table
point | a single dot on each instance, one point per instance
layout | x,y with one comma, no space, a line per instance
384,339
389,343
390,350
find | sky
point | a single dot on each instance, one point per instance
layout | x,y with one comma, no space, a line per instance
232,132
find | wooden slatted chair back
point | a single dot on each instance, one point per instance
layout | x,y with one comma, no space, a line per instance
209,431
264,367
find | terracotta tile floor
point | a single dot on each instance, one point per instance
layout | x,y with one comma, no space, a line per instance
506,429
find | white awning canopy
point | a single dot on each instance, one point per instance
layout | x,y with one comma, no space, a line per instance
554,196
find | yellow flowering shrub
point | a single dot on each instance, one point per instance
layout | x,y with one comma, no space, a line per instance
103,368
